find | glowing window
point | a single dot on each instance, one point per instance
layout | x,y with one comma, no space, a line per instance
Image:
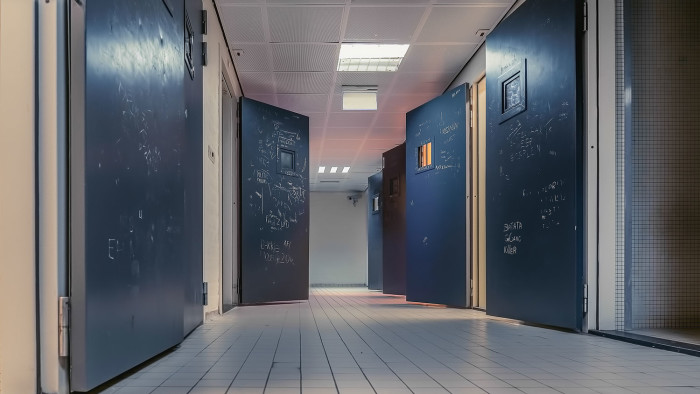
425,155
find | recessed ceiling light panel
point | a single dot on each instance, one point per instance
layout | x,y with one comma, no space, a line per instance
371,57
334,170
321,169
346,170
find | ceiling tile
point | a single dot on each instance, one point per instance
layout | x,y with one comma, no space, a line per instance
341,133
254,58
303,102
242,23
304,24
448,59
370,24
317,120
381,145
503,3
392,120
224,2
337,157
412,83
257,83
264,98
304,57
403,103
303,82
395,133
398,2
459,24
331,144
351,118
287,2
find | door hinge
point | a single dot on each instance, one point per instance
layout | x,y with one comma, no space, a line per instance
204,22
585,298
585,16
204,53
63,325
205,293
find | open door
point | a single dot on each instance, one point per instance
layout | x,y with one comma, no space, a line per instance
436,200
375,266
535,165
130,195
274,204
393,212
229,201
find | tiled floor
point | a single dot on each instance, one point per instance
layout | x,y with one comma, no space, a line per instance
355,341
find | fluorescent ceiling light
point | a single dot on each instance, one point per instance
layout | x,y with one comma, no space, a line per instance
334,170
371,57
372,51
359,101
321,169
346,170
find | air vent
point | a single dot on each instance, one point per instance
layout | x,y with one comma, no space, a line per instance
328,181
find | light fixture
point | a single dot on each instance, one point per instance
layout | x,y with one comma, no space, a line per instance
334,170
359,98
321,169
371,57
346,170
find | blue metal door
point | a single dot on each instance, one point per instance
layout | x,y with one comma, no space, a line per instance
534,165
128,148
274,204
394,221
436,215
374,232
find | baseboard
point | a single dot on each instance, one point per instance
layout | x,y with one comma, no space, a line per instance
338,285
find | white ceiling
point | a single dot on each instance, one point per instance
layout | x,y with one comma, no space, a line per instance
290,54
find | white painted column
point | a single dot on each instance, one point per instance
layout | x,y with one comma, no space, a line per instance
18,347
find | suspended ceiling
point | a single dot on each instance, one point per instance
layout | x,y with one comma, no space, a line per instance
286,54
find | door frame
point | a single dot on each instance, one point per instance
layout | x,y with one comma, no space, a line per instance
229,195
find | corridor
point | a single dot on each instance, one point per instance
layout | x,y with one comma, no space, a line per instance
351,340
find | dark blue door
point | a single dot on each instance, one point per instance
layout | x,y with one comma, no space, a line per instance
128,146
274,204
394,221
534,165
374,232
436,216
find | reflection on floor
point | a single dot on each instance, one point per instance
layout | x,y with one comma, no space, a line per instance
687,335
356,341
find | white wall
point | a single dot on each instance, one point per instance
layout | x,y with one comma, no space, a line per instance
219,61
476,65
473,70
17,256
337,239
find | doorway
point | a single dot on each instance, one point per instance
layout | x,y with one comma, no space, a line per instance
478,188
229,199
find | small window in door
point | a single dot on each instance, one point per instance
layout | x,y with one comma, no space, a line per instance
286,160
425,156
394,187
375,204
